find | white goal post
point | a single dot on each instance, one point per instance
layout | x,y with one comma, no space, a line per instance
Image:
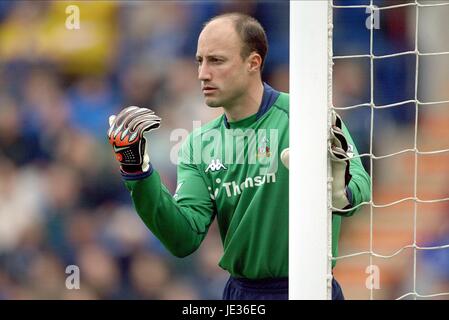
309,193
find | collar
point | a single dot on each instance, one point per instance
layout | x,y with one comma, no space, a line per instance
269,97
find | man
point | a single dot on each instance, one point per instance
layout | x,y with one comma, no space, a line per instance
229,167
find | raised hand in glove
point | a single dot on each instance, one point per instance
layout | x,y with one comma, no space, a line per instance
340,153
126,135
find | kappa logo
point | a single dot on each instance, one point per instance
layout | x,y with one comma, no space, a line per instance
215,165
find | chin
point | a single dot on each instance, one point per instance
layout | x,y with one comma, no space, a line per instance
213,103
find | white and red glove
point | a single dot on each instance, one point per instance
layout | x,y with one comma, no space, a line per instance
127,135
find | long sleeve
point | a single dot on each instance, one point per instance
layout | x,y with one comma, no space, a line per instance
359,189
181,221
360,184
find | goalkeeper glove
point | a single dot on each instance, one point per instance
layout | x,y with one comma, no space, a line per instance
340,152
126,135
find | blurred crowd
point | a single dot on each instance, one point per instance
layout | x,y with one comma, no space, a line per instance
62,200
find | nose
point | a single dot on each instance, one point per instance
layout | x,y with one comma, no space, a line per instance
204,73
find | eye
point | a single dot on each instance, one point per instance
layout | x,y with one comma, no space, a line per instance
199,61
215,60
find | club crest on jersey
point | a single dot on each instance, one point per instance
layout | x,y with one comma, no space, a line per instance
215,165
263,150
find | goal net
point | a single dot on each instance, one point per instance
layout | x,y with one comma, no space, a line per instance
384,67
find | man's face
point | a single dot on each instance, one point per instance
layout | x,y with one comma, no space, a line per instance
223,73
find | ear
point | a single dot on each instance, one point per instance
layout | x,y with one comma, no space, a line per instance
254,62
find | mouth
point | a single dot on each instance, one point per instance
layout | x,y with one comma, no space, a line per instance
208,90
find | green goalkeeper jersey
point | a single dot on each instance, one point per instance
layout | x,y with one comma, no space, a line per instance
232,171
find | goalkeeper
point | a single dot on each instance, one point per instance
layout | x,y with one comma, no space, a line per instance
249,197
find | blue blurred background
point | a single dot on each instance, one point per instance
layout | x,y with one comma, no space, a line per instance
62,200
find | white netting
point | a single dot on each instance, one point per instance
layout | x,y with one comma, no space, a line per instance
414,151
